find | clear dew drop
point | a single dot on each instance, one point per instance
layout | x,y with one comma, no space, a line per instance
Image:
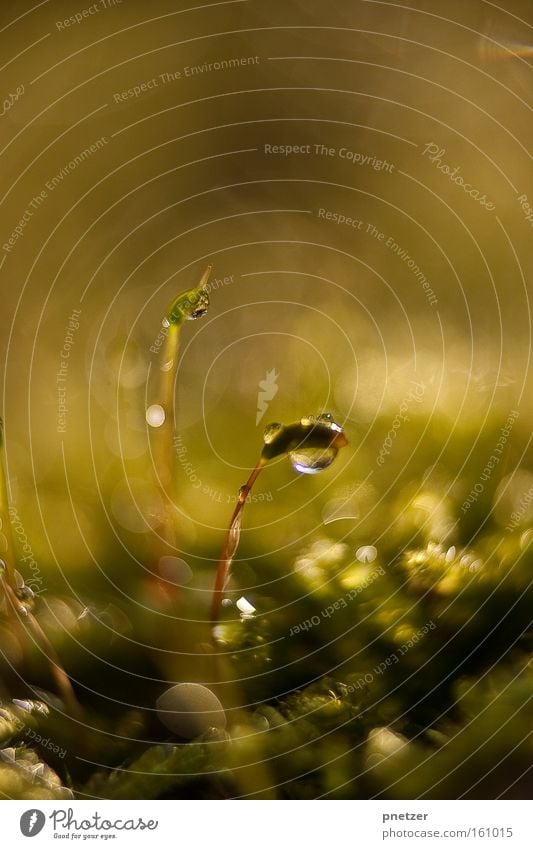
310,461
166,323
155,415
323,419
201,306
197,314
327,419
271,432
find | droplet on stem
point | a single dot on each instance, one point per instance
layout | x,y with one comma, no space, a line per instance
271,432
189,305
310,461
155,415
312,445
201,306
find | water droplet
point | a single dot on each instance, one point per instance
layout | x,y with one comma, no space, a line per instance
322,419
271,432
167,366
322,427
328,420
366,553
188,305
155,415
201,306
189,710
310,461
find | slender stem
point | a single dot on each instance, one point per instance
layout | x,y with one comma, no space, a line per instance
182,309
60,676
164,449
230,544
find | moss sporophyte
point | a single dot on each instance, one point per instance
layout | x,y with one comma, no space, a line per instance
187,306
311,445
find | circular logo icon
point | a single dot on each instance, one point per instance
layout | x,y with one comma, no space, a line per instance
32,822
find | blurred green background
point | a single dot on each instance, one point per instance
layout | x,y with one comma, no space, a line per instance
149,140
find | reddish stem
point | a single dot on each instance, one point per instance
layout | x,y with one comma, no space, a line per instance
230,544
61,678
